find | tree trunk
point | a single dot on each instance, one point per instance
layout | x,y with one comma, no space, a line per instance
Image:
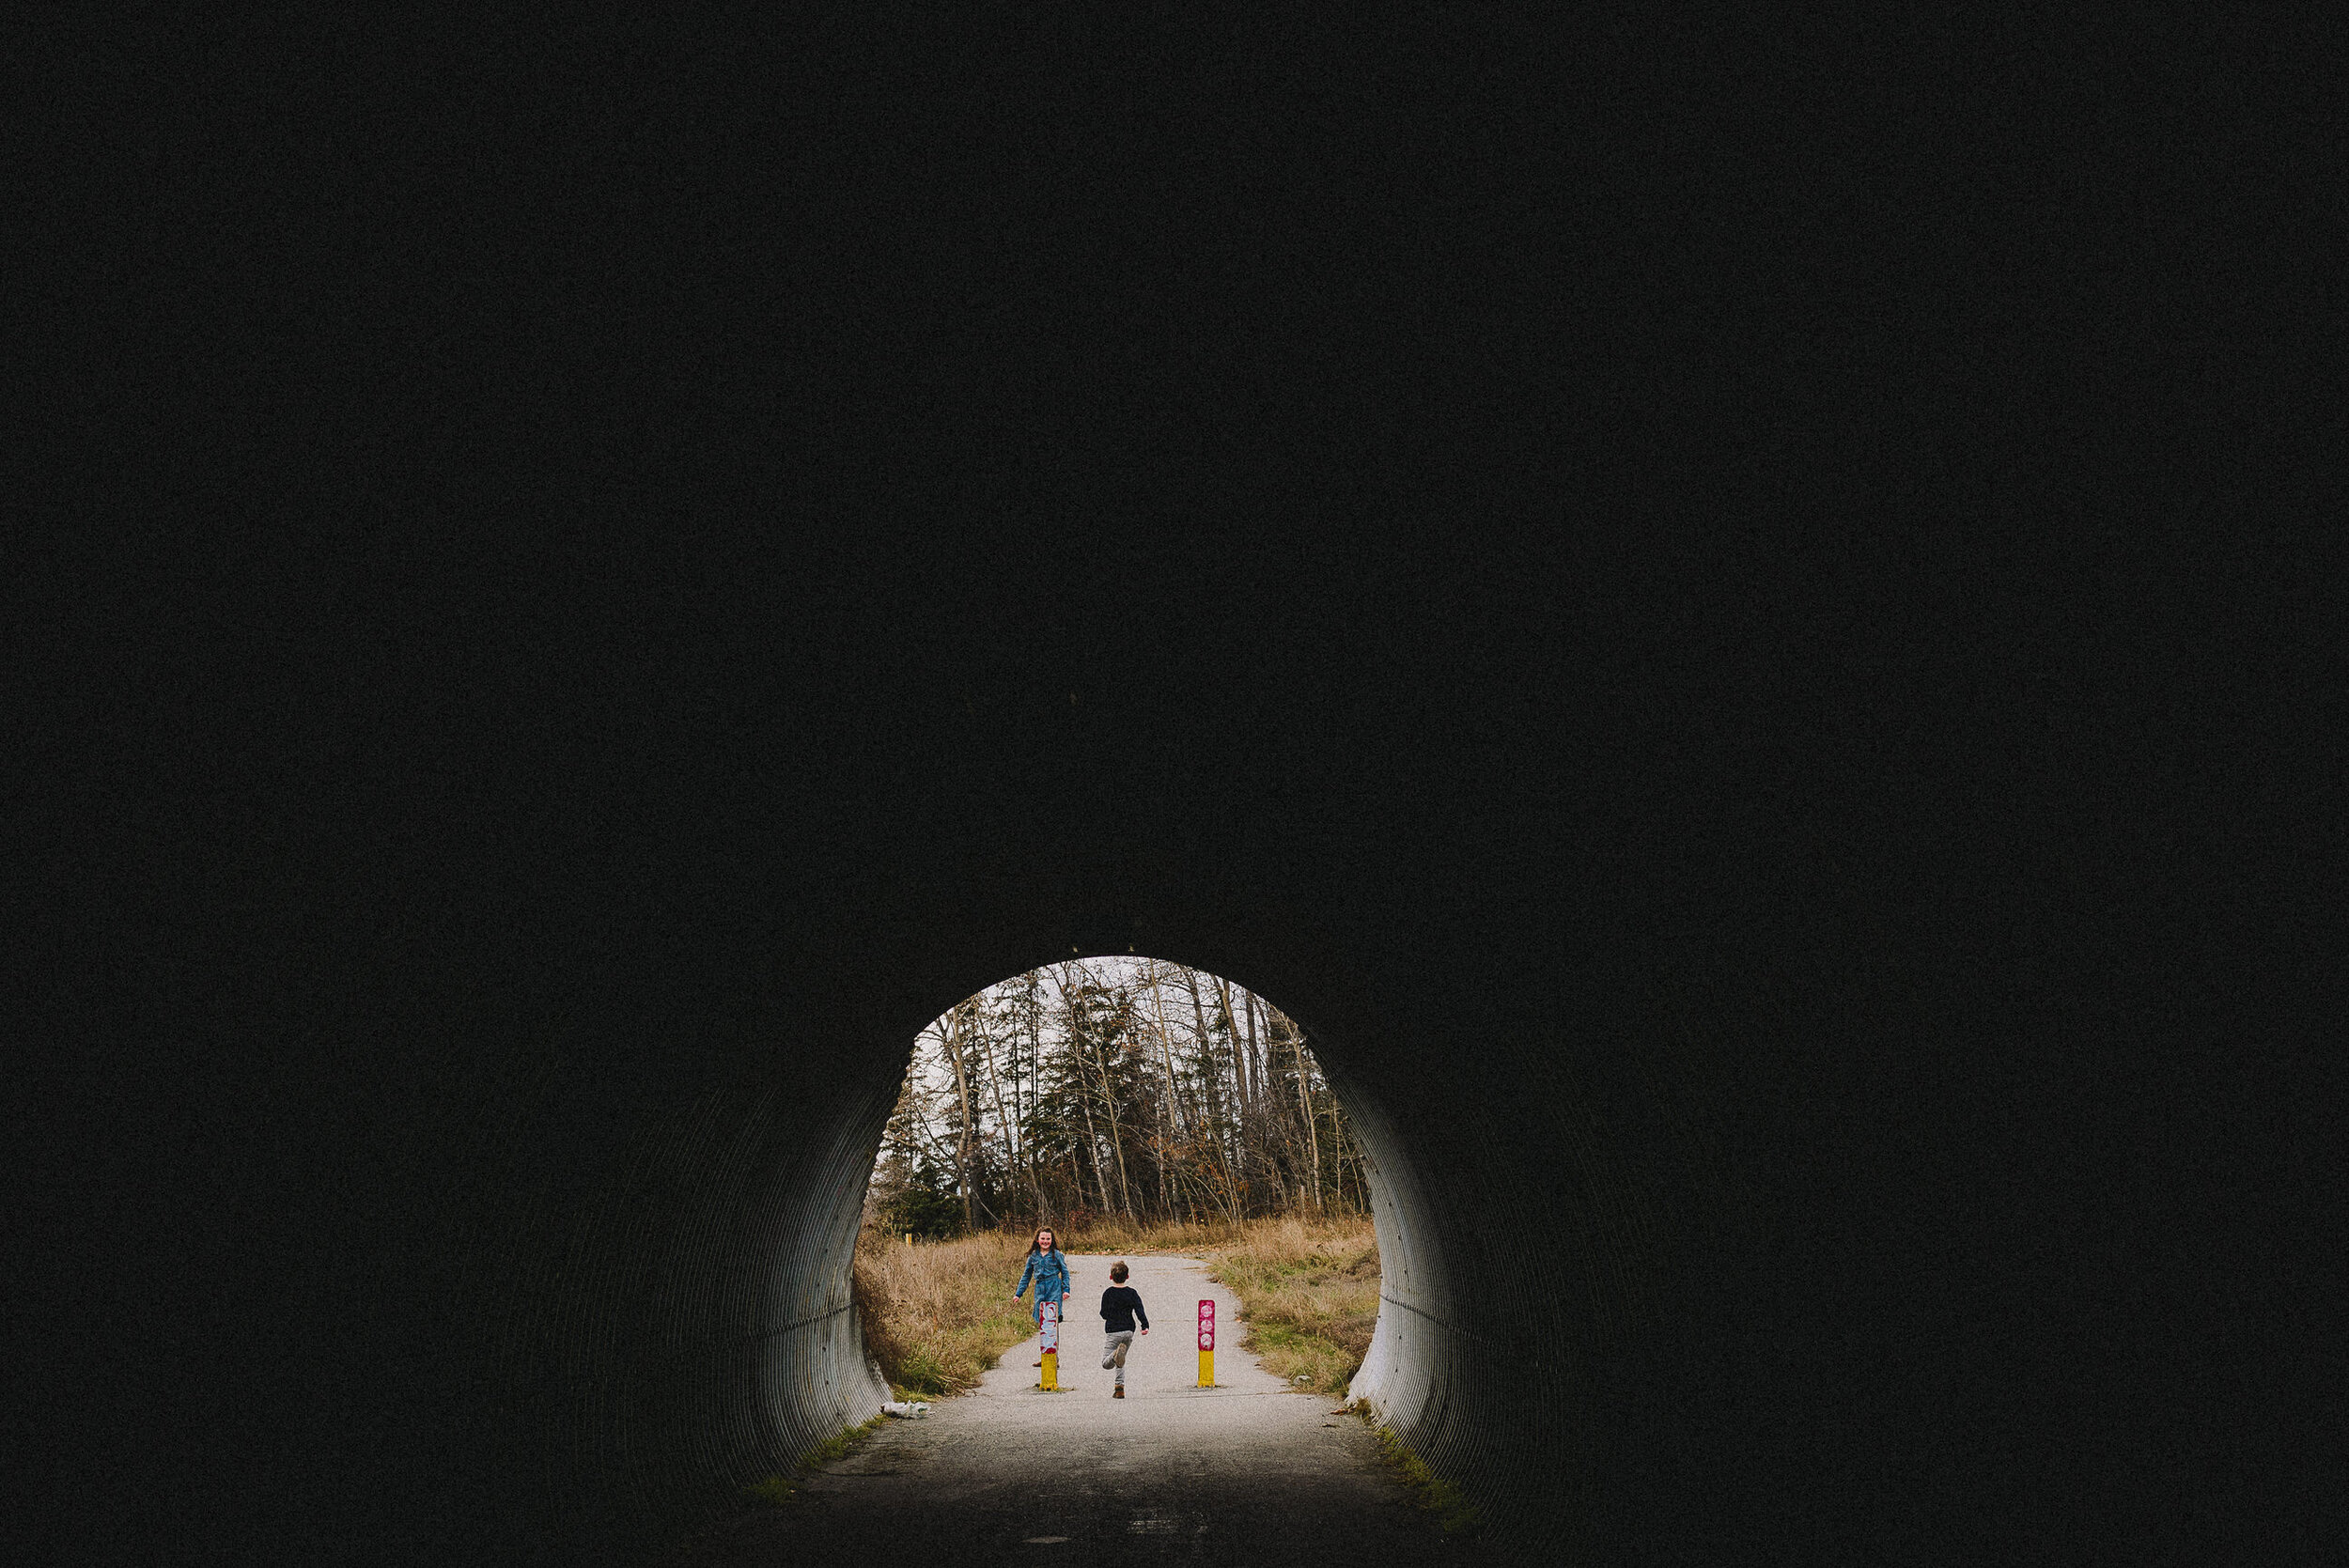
1241,1066
951,1037
1093,1134
1223,1134
1013,1137
1032,1014
1117,1133
1109,1108
1305,1106
1166,1052
1255,1063
1173,1109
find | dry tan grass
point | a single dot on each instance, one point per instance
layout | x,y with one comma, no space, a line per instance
1166,1236
938,1313
1297,1233
1309,1294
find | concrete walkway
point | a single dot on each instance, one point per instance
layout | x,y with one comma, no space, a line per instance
1246,1472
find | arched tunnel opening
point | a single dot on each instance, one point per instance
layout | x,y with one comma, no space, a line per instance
616,1289
513,1221
714,1337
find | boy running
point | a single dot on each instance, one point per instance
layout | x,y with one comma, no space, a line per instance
1121,1304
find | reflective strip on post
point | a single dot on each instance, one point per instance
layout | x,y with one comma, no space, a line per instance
1207,1344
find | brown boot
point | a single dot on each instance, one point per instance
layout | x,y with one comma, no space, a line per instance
1118,1393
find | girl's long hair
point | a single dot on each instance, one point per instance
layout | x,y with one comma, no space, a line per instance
1035,1243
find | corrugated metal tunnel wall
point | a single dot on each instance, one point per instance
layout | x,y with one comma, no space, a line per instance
670,1319
515,1220
605,579
637,1247
496,1170
696,1334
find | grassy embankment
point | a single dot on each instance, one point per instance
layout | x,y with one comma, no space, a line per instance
781,1488
1454,1512
938,1314
1309,1294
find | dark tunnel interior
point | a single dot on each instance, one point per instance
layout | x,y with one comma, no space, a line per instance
727,1247
1713,1225
697,1330
614,577
1824,1155
740,1222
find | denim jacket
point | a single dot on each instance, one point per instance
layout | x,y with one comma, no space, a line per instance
1050,1271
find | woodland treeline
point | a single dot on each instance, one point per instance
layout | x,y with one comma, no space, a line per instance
1112,1087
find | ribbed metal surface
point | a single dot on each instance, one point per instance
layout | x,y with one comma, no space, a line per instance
1455,1360
654,1306
1651,1295
679,1324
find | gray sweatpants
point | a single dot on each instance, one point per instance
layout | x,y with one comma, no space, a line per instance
1114,1352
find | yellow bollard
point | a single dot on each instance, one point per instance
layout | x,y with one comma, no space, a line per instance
1052,1349
1207,1344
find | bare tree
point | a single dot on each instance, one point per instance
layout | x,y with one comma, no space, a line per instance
950,1040
1053,1101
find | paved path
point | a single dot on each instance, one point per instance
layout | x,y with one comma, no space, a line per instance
1246,1472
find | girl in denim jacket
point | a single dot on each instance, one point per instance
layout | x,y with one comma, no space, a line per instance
1050,1271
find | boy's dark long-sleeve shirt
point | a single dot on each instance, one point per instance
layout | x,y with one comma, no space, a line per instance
1120,1306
